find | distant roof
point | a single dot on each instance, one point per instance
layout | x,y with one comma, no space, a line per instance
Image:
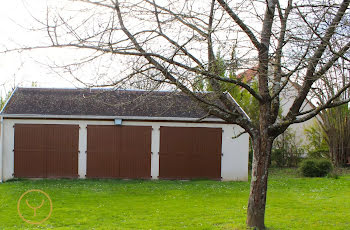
102,102
248,75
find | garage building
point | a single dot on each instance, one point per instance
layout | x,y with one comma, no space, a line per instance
99,133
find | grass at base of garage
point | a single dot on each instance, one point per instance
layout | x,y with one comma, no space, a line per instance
293,202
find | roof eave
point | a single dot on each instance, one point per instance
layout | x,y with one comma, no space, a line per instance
241,110
93,117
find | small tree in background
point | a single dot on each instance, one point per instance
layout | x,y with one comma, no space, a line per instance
333,124
244,98
336,125
3,100
330,136
287,151
317,146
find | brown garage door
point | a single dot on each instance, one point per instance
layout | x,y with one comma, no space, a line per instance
46,150
118,151
189,152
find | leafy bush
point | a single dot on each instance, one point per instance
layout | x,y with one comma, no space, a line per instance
325,167
315,168
309,168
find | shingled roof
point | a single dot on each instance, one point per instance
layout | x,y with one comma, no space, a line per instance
101,102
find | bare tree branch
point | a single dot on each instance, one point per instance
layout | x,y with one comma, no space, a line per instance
240,23
310,77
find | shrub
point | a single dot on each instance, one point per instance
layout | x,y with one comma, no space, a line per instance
315,168
325,167
309,168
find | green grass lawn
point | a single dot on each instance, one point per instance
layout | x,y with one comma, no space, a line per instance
293,202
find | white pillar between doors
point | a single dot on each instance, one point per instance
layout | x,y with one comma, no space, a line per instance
155,150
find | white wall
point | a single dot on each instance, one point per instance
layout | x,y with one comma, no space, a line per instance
287,99
235,151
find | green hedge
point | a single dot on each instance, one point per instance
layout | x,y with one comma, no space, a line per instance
315,167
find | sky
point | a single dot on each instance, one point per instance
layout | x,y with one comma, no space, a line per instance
24,68
17,20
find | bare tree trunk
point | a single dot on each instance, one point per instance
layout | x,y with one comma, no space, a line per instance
258,186
262,144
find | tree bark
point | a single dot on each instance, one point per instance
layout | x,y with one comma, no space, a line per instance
262,141
262,145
